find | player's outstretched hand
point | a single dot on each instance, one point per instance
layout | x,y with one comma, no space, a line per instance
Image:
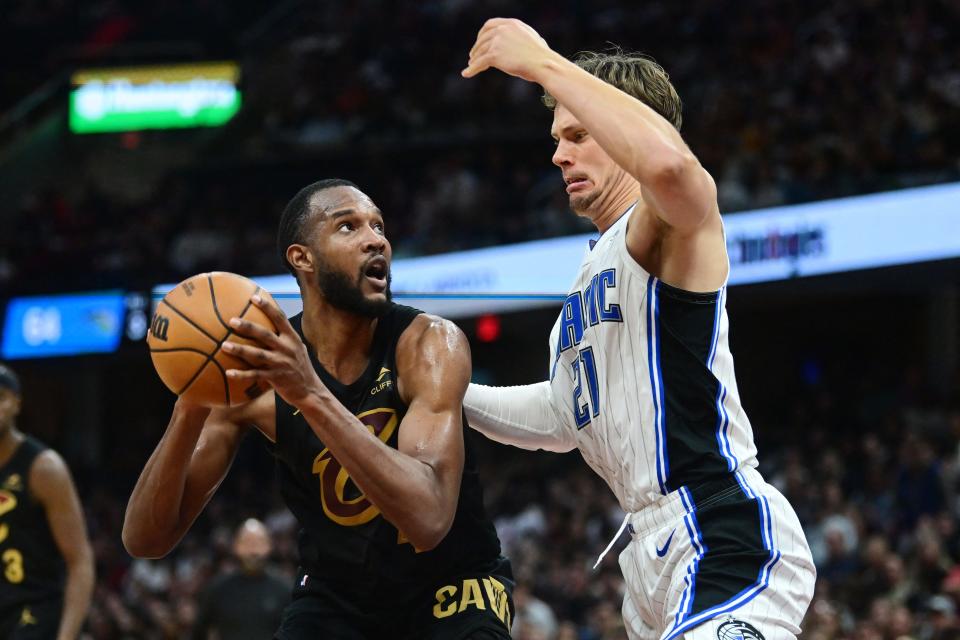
281,359
511,46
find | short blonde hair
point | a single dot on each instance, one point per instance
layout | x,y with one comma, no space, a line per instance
636,75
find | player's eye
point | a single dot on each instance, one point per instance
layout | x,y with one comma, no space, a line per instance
378,226
345,226
580,136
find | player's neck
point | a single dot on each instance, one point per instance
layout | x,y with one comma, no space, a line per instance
10,439
615,206
340,340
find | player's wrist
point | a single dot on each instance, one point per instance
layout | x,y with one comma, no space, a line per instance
189,407
313,397
549,69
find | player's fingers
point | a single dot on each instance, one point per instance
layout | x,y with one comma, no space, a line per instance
478,65
493,23
482,41
480,50
253,331
255,356
249,374
275,314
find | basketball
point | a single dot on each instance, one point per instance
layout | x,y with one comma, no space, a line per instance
188,329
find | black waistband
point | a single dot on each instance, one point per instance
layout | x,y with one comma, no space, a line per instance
716,491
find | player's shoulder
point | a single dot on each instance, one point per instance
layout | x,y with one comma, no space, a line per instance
48,473
432,351
430,331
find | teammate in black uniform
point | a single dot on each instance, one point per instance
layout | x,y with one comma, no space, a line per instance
366,423
46,563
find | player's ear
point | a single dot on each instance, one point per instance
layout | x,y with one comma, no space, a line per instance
300,257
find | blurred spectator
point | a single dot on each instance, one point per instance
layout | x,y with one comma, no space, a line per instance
534,619
246,602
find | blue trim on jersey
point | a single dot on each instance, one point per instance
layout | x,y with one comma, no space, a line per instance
663,404
696,541
656,384
723,418
751,592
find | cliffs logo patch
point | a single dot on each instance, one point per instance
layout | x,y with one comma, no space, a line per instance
738,630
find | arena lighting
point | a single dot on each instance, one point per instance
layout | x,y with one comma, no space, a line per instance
831,236
201,94
488,328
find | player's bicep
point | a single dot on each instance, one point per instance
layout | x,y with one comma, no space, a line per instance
434,371
52,485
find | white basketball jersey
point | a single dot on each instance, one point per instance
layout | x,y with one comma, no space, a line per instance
642,373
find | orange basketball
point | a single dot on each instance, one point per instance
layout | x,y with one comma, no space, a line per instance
188,330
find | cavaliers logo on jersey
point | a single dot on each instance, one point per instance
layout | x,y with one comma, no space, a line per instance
335,482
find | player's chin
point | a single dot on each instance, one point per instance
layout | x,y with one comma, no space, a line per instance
580,202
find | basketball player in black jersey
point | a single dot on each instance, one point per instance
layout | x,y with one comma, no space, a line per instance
46,563
366,423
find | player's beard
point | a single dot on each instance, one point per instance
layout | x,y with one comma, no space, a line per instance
580,204
347,295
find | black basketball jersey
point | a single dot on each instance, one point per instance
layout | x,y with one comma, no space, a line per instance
31,567
344,538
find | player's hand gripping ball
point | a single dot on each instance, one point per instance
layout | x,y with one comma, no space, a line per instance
188,331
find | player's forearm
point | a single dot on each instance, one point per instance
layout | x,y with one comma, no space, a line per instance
634,135
153,517
77,595
520,416
407,491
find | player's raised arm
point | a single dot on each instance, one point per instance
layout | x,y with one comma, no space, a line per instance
184,471
635,136
522,416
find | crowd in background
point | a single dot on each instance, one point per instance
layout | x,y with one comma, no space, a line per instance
786,102
872,472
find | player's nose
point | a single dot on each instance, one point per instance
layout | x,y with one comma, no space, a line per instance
374,242
562,156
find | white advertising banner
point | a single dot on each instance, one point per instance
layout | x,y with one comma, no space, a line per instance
863,232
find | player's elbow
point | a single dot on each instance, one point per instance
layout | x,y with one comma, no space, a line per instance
140,545
671,170
429,534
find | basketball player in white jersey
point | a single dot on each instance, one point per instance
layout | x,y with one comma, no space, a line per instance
641,376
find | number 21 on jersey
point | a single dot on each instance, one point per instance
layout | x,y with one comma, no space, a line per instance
585,374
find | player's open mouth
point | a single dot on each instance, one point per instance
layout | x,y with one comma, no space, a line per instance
576,183
376,272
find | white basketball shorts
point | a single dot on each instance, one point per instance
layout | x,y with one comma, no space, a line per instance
724,561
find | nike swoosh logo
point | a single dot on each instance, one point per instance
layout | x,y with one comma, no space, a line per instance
666,545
